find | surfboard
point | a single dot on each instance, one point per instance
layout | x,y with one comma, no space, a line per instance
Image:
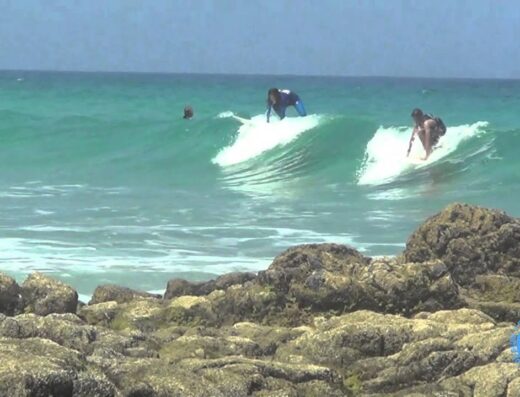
241,119
416,160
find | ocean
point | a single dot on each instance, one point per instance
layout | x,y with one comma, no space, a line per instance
103,181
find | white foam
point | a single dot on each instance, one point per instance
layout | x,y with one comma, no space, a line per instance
256,136
385,155
84,298
43,212
225,115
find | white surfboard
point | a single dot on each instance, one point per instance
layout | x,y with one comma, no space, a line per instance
416,160
241,119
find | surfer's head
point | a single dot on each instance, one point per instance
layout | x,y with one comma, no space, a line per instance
188,112
273,95
417,115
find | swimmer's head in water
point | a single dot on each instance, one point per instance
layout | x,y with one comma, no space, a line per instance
188,112
273,95
417,114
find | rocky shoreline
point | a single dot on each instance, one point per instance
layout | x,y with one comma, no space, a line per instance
322,320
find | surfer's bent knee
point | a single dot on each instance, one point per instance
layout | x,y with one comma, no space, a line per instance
300,108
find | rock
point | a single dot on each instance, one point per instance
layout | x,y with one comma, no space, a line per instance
381,285
39,367
110,292
143,314
10,301
268,339
43,295
481,249
92,384
495,295
490,380
273,369
178,287
227,280
100,313
190,311
297,264
252,303
500,311
513,388
470,241
152,377
208,347
378,353
65,329
328,277
495,288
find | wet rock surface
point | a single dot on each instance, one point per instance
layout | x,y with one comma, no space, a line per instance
322,320
110,292
43,295
10,299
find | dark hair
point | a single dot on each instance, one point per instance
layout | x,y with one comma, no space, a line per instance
417,112
275,92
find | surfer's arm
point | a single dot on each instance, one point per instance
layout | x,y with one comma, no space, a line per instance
268,114
411,141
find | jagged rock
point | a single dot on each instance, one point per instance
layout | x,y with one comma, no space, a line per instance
65,329
43,295
495,288
227,280
491,380
385,353
208,347
142,314
296,265
500,311
332,277
191,311
254,302
470,240
230,376
268,339
110,292
178,287
10,301
100,313
39,367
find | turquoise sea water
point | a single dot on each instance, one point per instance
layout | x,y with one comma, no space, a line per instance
103,181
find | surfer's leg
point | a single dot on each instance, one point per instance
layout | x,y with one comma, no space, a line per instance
281,112
435,137
300,108
421,136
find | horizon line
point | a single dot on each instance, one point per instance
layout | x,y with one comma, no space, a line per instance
256,74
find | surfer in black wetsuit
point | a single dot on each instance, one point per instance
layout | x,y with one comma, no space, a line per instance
428,128
280,100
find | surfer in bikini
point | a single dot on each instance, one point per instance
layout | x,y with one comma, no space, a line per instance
280,100
429,129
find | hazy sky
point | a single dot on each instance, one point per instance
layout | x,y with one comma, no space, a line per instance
436,38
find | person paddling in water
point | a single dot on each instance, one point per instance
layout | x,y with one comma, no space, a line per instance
429,129
280,100
188,112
